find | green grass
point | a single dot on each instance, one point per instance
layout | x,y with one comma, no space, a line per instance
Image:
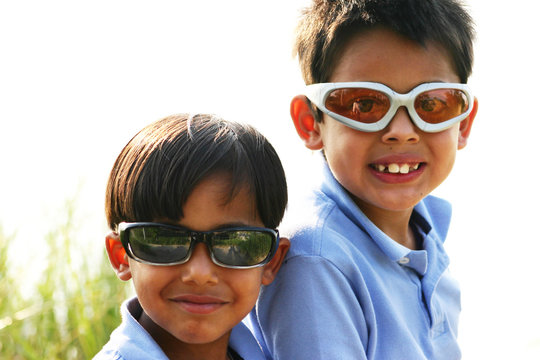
74,306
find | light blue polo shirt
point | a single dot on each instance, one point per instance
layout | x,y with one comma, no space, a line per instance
348,291
130,341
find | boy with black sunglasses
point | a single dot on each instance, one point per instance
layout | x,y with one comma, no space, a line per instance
387,103
193,202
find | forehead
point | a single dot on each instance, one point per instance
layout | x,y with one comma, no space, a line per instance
381,55
210,205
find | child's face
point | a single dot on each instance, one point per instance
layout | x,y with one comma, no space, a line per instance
353,156
200,302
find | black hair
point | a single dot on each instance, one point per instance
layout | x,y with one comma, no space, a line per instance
158,169
327,24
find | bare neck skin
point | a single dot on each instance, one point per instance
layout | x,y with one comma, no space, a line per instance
395,224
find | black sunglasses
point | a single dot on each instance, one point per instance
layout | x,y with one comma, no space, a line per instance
162,244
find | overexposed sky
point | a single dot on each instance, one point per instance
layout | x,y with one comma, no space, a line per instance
79,78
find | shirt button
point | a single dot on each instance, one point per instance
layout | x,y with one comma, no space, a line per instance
404,260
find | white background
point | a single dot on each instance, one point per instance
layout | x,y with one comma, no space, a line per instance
79,78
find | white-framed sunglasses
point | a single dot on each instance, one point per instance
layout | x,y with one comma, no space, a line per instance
370,107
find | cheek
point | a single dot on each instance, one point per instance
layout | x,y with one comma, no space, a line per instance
246,285
446,143
343,144
444,146
148,280
331,131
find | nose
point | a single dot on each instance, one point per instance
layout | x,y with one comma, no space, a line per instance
200,269
401,129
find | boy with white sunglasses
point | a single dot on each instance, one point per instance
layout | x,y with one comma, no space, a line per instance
388,106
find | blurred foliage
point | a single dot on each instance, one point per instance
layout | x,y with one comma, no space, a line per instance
74,306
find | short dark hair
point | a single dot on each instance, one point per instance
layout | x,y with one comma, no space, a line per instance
158,169
326,25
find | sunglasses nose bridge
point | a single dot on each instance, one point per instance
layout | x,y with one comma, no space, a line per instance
203,238
406,101
402,100
199,237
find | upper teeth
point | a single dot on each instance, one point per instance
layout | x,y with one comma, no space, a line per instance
396,168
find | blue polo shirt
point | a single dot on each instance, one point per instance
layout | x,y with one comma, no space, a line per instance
348,291
130,341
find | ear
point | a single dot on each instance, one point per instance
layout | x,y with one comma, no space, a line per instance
271,269
465,126
117,256
304,122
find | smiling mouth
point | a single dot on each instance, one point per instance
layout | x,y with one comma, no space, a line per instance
395,168
199,304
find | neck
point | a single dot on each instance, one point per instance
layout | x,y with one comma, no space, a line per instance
395,224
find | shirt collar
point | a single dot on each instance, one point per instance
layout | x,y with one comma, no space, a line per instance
241,339
431,217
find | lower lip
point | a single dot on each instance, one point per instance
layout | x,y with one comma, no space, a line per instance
199,308
398,178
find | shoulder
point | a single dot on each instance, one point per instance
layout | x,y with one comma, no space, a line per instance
307,211
243,342
314,218
330,238
325,229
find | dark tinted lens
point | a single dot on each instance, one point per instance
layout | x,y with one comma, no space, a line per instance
440,105
159,244
242,247
363,105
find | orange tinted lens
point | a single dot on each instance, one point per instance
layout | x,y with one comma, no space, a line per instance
439,105
362,105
